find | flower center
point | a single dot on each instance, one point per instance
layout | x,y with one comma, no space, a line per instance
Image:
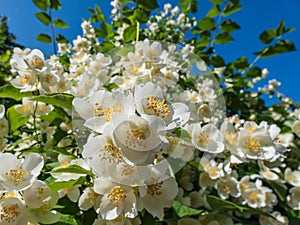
17,175
48,78
117,195
203,139
9,213
254,197
253,144
154,189
158,107
226,189
231,137
100,111
24,79
45,208
37,62
135,137
114,153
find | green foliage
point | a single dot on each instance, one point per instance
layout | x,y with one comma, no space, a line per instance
8,91
59,100
183,210
43,17
189,6
15,119
45,38
60,23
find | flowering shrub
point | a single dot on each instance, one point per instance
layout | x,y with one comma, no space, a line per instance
107,132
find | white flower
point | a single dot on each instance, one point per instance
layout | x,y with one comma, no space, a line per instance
13,211
89,199
36,194
45,213
150,101
106,160
256,142
3,127
137,137
27,108
294,198
157,195
35,60
117,199
26,81
19,174
228,186
73,193
207,138
277,219
98,109
292,177
296,127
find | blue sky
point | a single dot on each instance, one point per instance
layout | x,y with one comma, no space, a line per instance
255,17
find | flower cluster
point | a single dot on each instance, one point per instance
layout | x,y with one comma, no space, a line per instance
149,127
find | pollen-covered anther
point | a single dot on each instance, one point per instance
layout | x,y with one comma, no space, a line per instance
253,144
10,213
158,107
98,110
117,195
231,137
115,154
24,79
37,62
17,175
154,189
135,137
127,170
203,138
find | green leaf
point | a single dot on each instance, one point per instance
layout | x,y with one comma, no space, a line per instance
138,15
55,4
183,210
110,86
223,38
216,1
68,219
217,61
253,72
241,63
231,8
280,29
43,17
56,186
148,5
206,23
41,4
61,39
129,33
72,169
61,151
189,6
280,47
60,23
9,91
279,188
267,36
229,26
60,100
214,11
15,120
219,204
44,38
